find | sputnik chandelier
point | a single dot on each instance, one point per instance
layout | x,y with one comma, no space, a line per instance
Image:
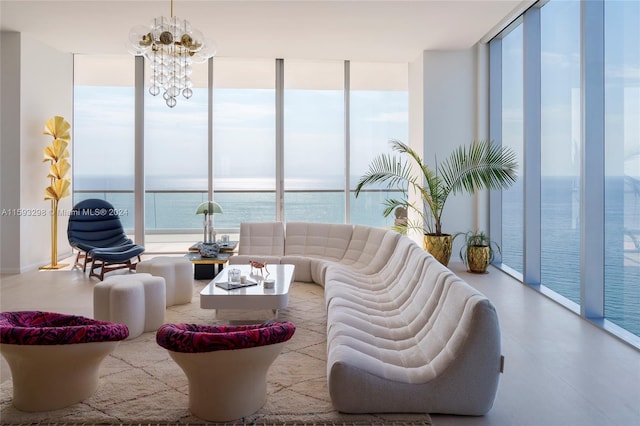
171,46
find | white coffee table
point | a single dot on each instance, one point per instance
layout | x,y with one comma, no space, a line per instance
252,297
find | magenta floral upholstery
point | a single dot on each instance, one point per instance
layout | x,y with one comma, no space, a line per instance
50,328
193,338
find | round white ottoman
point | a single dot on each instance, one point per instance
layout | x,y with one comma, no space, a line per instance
178,276
135,300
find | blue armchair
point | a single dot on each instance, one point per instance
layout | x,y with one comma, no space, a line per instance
96,232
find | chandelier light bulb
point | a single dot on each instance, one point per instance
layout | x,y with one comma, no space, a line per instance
170,45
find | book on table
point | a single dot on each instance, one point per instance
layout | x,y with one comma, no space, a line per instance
233,286
224,247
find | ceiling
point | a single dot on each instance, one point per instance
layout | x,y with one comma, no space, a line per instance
389,31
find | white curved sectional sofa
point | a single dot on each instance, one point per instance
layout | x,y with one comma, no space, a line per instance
404,334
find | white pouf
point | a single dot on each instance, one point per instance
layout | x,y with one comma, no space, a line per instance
135,300
177,273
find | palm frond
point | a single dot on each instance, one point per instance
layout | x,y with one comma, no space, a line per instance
481,165
391,204
387,170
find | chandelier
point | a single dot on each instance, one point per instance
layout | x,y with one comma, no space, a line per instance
171,45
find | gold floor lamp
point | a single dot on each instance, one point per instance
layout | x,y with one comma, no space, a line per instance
56,153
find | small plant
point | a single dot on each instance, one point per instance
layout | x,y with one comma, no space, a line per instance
478,251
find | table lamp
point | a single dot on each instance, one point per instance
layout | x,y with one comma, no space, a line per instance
208,208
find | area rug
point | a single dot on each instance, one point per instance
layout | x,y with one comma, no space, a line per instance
140,384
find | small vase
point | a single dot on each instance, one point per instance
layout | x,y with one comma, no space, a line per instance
209,249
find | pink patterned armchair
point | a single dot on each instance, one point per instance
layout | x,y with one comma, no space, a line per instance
55,358
226,365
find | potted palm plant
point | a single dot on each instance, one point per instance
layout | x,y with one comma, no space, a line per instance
478,251
481,165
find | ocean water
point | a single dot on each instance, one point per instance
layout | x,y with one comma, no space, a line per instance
560,239
560,243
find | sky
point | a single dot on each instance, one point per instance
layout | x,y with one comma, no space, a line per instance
244,119
560,88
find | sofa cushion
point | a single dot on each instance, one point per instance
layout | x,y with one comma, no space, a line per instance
302,271
324,240
308,245
370,248
378,291
244,259
261,238
385,278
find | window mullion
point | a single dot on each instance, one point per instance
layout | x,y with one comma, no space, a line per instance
532,152
279,139
592,164
495,134
139,172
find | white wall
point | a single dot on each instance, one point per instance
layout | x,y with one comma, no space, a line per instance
451,116
9,152
482,127
44,78
416,125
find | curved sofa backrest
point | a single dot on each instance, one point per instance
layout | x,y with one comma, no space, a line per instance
397,264
450,320
95,223
261,238
326,240
370,248
425,297
407,278
394,287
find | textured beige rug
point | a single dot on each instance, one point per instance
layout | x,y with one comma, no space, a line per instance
140,384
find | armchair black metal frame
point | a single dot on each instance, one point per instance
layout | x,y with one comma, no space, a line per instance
95,230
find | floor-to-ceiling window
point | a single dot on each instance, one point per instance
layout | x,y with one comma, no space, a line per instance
512,137
314,141
560,148
622,164
589,167
175,161
379,104
244,147
269,140
103,132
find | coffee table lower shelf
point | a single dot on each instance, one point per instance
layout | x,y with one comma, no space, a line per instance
206,268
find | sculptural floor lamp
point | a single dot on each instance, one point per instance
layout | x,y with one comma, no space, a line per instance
56,153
